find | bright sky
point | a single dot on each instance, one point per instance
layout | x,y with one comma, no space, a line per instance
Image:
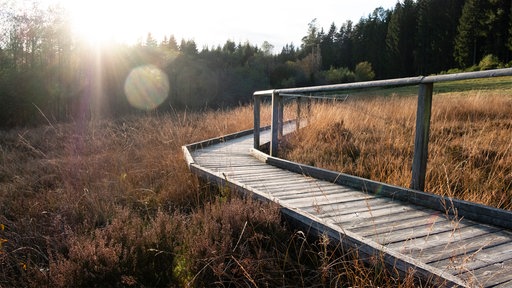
210,22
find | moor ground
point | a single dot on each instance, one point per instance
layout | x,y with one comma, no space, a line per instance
112,203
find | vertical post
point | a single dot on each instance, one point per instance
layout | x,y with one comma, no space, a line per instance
297,121
274,125
281,116
309,108
257,102
419,162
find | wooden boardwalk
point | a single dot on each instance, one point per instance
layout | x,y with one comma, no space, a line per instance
445,241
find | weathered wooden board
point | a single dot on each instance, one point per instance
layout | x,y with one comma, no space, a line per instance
445,241
494,274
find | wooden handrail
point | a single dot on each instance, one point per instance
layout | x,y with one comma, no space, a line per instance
424,106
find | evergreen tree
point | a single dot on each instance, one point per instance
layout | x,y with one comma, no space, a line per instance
495,28
188,47
288,53
345,46
468,34
328,49
172,43
150,41
509,36
437,27
369,40
400,40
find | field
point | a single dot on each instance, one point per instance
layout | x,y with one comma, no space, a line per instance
112,203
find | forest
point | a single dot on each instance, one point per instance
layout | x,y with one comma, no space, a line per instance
47,74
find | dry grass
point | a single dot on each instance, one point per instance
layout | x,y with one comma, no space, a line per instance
112,203
373,137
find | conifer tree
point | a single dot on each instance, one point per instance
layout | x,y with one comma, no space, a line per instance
468,31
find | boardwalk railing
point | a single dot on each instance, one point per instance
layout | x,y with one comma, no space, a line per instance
424,106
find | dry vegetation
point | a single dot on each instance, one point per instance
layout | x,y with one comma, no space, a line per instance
112,204
373,137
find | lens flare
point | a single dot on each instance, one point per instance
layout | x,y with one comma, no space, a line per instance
146,87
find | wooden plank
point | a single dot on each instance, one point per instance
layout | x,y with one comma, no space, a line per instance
255,177
291,192
361,216
397,225
334,202
507,284
406,211
459,247
418,232
355,217
314,191
255,173
338,203
443,240
385,218
478,259
281,187
251,169
401,211
347,205
298,187
491,275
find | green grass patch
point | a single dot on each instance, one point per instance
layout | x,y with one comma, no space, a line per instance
494,83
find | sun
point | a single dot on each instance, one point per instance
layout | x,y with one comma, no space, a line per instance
100,22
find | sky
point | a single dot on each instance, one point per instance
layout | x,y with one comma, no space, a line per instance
211,23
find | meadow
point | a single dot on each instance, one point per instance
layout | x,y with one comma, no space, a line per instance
111,203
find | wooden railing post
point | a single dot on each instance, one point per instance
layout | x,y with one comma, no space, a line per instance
257,104
281,116
275,124
419,162
297,121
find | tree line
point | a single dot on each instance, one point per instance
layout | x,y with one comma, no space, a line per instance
46,74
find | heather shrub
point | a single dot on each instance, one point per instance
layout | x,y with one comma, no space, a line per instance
230,242
128,251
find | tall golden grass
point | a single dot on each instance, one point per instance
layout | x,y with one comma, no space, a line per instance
112,203
373,137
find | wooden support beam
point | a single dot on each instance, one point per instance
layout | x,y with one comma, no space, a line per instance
297,123
419,163
257,123
281,116
274,140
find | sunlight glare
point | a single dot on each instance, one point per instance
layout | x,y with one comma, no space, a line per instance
146,87
98,22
